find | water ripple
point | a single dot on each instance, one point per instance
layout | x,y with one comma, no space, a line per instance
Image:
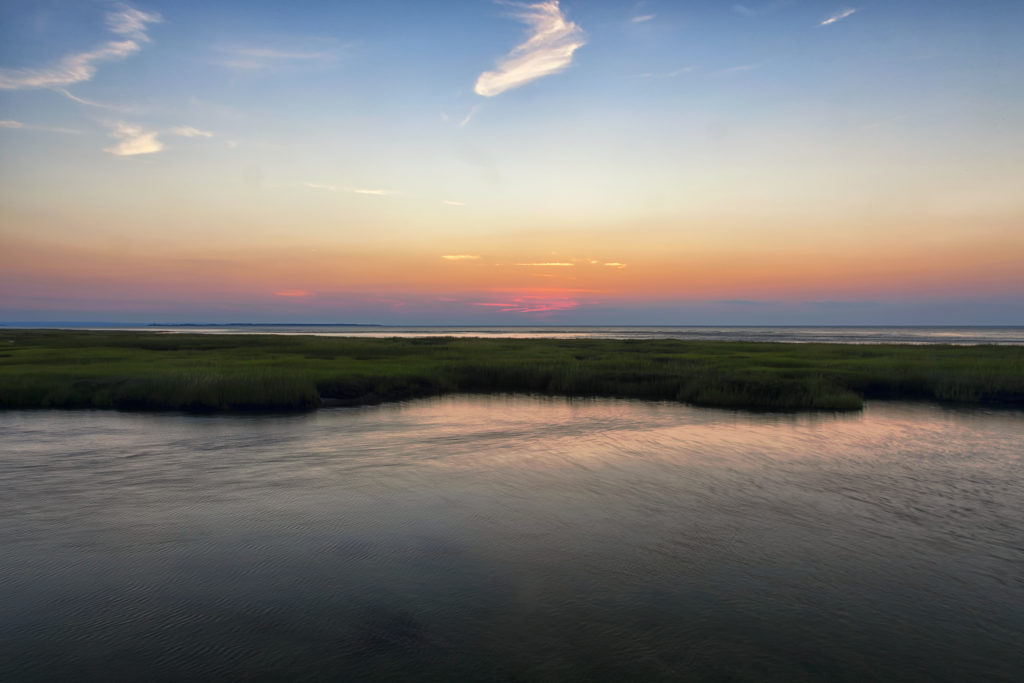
513,538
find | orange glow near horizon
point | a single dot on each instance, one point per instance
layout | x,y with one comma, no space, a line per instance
502,281
533,301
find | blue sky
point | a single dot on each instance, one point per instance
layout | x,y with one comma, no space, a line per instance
214,160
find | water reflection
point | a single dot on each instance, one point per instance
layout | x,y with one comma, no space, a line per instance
513,538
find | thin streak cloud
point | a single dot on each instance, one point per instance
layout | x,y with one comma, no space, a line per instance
82,66
469,116
641,19
737,69
82,100
264,53
748,11
667,74
541,302
353,190
460,257
548,265
256,58
548,50
837,17
10,123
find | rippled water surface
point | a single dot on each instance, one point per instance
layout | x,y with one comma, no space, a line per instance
513,539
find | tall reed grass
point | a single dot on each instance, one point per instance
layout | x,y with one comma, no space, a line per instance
216,373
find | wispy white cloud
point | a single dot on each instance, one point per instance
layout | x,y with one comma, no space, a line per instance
615,264
71,69
190,132
464,120
748,11
353,190
641,19
134,140
128,21
10,123
469,116
667,74
452,202
57,129
81,67
837,17
460,257
82,100
548,50
255,58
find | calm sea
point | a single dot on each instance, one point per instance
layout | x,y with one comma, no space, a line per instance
841,335
513,538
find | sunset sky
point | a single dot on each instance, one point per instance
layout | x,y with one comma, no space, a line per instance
582,162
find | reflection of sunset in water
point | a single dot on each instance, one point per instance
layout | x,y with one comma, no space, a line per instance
456,534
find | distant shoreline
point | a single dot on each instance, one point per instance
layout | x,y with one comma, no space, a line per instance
48,324
830,334
217,325
150,371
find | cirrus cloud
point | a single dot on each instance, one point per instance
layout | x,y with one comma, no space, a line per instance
353,190
76,68
10,123
128,21
837,17
548,50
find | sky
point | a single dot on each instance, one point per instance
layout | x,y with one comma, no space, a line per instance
480,162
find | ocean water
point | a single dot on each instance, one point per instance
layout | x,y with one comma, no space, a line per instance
513,538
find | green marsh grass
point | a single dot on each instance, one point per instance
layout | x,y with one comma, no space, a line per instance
224,373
